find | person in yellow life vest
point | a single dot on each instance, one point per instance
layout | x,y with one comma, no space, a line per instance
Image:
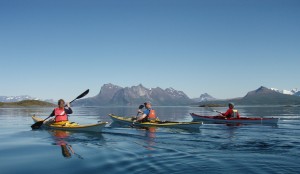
148,114
61,112
231,113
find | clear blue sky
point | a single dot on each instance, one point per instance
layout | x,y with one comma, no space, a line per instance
58,48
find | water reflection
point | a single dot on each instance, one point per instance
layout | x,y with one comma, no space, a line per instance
150,134
60,137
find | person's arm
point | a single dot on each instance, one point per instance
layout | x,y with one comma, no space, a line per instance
53,113
141,117
68,110
144,115
226,113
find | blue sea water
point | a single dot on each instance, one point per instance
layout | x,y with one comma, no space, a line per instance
213,148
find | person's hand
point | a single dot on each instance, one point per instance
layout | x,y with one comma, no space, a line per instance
68,105
134,121
139,111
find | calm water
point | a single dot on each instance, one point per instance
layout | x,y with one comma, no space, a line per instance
213,148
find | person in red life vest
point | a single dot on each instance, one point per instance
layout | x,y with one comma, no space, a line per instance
231,113
148,114
61,112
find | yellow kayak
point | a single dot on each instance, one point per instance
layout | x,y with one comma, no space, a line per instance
170,124
70,126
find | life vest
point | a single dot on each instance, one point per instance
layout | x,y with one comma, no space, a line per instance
60,115
151,115
234,113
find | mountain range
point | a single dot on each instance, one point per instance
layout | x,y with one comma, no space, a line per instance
16,98
115,95
261,96
7,99
111,94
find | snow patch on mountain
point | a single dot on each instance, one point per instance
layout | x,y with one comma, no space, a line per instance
204,97
288,92
16,98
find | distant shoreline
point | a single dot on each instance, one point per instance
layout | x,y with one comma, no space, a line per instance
212,105
26,103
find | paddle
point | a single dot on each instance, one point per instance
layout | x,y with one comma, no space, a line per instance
213,110
38,124
140,107
133,119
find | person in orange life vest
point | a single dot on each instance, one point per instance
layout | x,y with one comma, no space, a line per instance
148,114
61,111
231,113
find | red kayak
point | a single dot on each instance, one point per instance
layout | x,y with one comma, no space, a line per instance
245,120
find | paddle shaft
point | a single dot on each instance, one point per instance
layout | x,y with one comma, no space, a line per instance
213,110
218,111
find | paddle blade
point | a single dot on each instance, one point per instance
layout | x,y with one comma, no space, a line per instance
141,106
83,94
37,125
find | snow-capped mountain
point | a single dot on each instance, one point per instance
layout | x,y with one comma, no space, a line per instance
115,95
288,92
261,96
16,98
204,97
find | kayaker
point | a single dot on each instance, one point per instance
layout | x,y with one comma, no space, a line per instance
231,113
148,114
61,112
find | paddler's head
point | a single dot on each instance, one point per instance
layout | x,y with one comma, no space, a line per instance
231,105
61,103
147,105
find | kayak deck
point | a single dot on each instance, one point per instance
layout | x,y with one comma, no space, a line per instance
171,124
246,120
66,125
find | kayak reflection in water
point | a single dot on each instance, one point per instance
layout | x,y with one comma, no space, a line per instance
231,113
148,115
150,134
66,149
61,112
149,141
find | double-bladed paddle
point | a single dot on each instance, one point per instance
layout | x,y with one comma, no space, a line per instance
38,124
213,110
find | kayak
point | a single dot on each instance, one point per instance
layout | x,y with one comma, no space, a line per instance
245,120
170,124
70,126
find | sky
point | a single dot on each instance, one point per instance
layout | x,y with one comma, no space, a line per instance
54,49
